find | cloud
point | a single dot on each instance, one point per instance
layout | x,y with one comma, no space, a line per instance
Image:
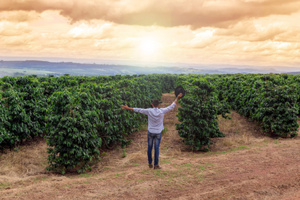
253,32
194,13
202,31
84,30
18,16
13,29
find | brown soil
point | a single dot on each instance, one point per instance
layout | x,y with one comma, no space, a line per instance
243,165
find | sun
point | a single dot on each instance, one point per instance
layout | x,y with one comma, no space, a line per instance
148,47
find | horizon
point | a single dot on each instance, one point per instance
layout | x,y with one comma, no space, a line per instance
254,33
16,63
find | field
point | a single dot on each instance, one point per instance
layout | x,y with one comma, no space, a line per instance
243,165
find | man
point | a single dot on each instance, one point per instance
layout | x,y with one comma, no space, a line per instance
155,126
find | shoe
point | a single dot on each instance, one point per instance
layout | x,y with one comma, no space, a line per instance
157,167
150,166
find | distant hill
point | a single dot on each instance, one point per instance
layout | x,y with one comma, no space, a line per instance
295,73
44,68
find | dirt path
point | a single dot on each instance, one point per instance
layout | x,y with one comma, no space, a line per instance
243,165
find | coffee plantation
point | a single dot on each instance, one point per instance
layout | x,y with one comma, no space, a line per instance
79,116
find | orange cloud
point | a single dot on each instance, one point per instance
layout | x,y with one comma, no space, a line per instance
13,29
259,32
196,13
87,31
249,31
18,16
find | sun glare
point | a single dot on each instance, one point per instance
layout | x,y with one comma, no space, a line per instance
148,47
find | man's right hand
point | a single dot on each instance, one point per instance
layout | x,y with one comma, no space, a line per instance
125,107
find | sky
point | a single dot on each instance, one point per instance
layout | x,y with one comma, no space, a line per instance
207,32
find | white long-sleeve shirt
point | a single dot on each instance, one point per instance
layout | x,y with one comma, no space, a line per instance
155,117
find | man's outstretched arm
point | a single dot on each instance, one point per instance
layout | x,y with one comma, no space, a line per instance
177,98
125,107
139,110
170,107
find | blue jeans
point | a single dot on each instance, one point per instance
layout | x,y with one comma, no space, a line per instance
156,139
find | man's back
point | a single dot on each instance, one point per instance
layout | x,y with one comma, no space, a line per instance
155,117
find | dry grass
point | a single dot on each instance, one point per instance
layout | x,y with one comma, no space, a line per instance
238,131
28,160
